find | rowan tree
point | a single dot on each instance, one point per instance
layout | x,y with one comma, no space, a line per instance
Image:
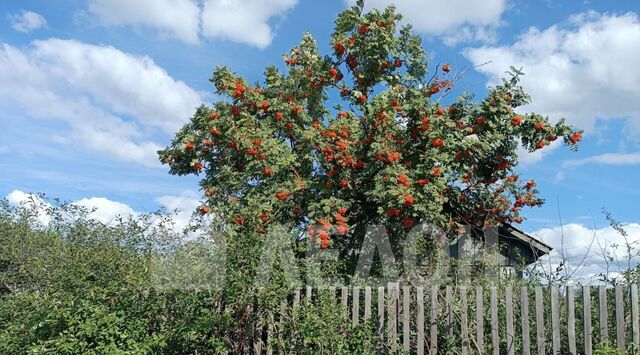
361,136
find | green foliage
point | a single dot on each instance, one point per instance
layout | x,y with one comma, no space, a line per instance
605,349
76,285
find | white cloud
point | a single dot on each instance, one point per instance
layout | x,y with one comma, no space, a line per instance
92,89
185,204
27,21
128,84
583,249
455,20
585,69
242,21
19,198
105,210
177,18
245,21
607,159
526,157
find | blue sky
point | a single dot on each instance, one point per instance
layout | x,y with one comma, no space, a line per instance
89,89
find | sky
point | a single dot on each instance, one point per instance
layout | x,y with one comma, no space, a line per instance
90,89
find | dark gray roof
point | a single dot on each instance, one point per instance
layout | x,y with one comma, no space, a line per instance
539,247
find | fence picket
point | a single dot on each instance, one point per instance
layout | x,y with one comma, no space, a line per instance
433,345
270,334
540,321
257,339
479,320
332,295
296,297
508,295
367,303
620,340
464,325
604,328
420,320
448,309
571,320
344,300
524,315
355,306
634,317
381,312
495,339
406,318
586,311
555,321
392,312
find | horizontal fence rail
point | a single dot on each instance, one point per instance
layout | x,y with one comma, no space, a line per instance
480,320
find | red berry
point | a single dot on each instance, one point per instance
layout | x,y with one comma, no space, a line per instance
530,184
398,63
575,137
214,116
408,200
344,183
407,222
282,195
342,211
189,146
446,68
279,116
516,121
404,180
239,90
266,171
480,120
392,212
437,143
341,145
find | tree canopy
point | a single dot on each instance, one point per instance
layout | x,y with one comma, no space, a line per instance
361,136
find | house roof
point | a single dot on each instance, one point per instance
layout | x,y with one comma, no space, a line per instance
539,247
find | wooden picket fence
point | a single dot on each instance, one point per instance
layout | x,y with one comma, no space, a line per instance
411,319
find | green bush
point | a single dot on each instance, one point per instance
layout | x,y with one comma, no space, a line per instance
76,285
